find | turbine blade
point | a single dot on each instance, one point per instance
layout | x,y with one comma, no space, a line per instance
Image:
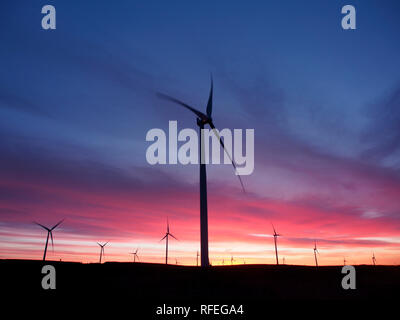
42,226
227,153
105,244
164,237
210,98
99,244
196,112
173,236
273,228
57,224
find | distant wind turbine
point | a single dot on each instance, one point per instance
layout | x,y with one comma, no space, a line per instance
135,255
344,261
315,253
49,234
276,235
232,260
176,261
373,258
202,120
197,258
102,250
167,234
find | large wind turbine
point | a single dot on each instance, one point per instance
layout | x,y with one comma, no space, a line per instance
276,235
167,234
202,120
101,250
373,258
49,234
315,253
135,255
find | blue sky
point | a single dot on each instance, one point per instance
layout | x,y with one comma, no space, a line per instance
324,102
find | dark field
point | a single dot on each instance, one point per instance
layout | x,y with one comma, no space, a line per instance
148,285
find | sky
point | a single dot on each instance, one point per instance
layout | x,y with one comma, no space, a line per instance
76,104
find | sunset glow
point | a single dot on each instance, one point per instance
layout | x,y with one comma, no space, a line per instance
75,106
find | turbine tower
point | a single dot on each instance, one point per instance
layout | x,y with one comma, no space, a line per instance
202,120
49,234
276,235
101,250
197,258
315,253
344,261
373,258
232,260
167,234
135,255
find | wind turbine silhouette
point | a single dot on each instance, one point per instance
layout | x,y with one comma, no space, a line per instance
315,253
232,260
167,234
202,120
49,234
135,255
373,258
276,235
344,261
197,258
102,250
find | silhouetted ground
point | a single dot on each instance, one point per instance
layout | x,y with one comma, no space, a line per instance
148,285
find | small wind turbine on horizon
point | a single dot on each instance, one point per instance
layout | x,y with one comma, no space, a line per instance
135,255
276,235
344,261
232,260
197,259
102,250
373,258
167,234
315,253
49,234
202,120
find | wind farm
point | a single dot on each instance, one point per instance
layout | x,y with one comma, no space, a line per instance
189,153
